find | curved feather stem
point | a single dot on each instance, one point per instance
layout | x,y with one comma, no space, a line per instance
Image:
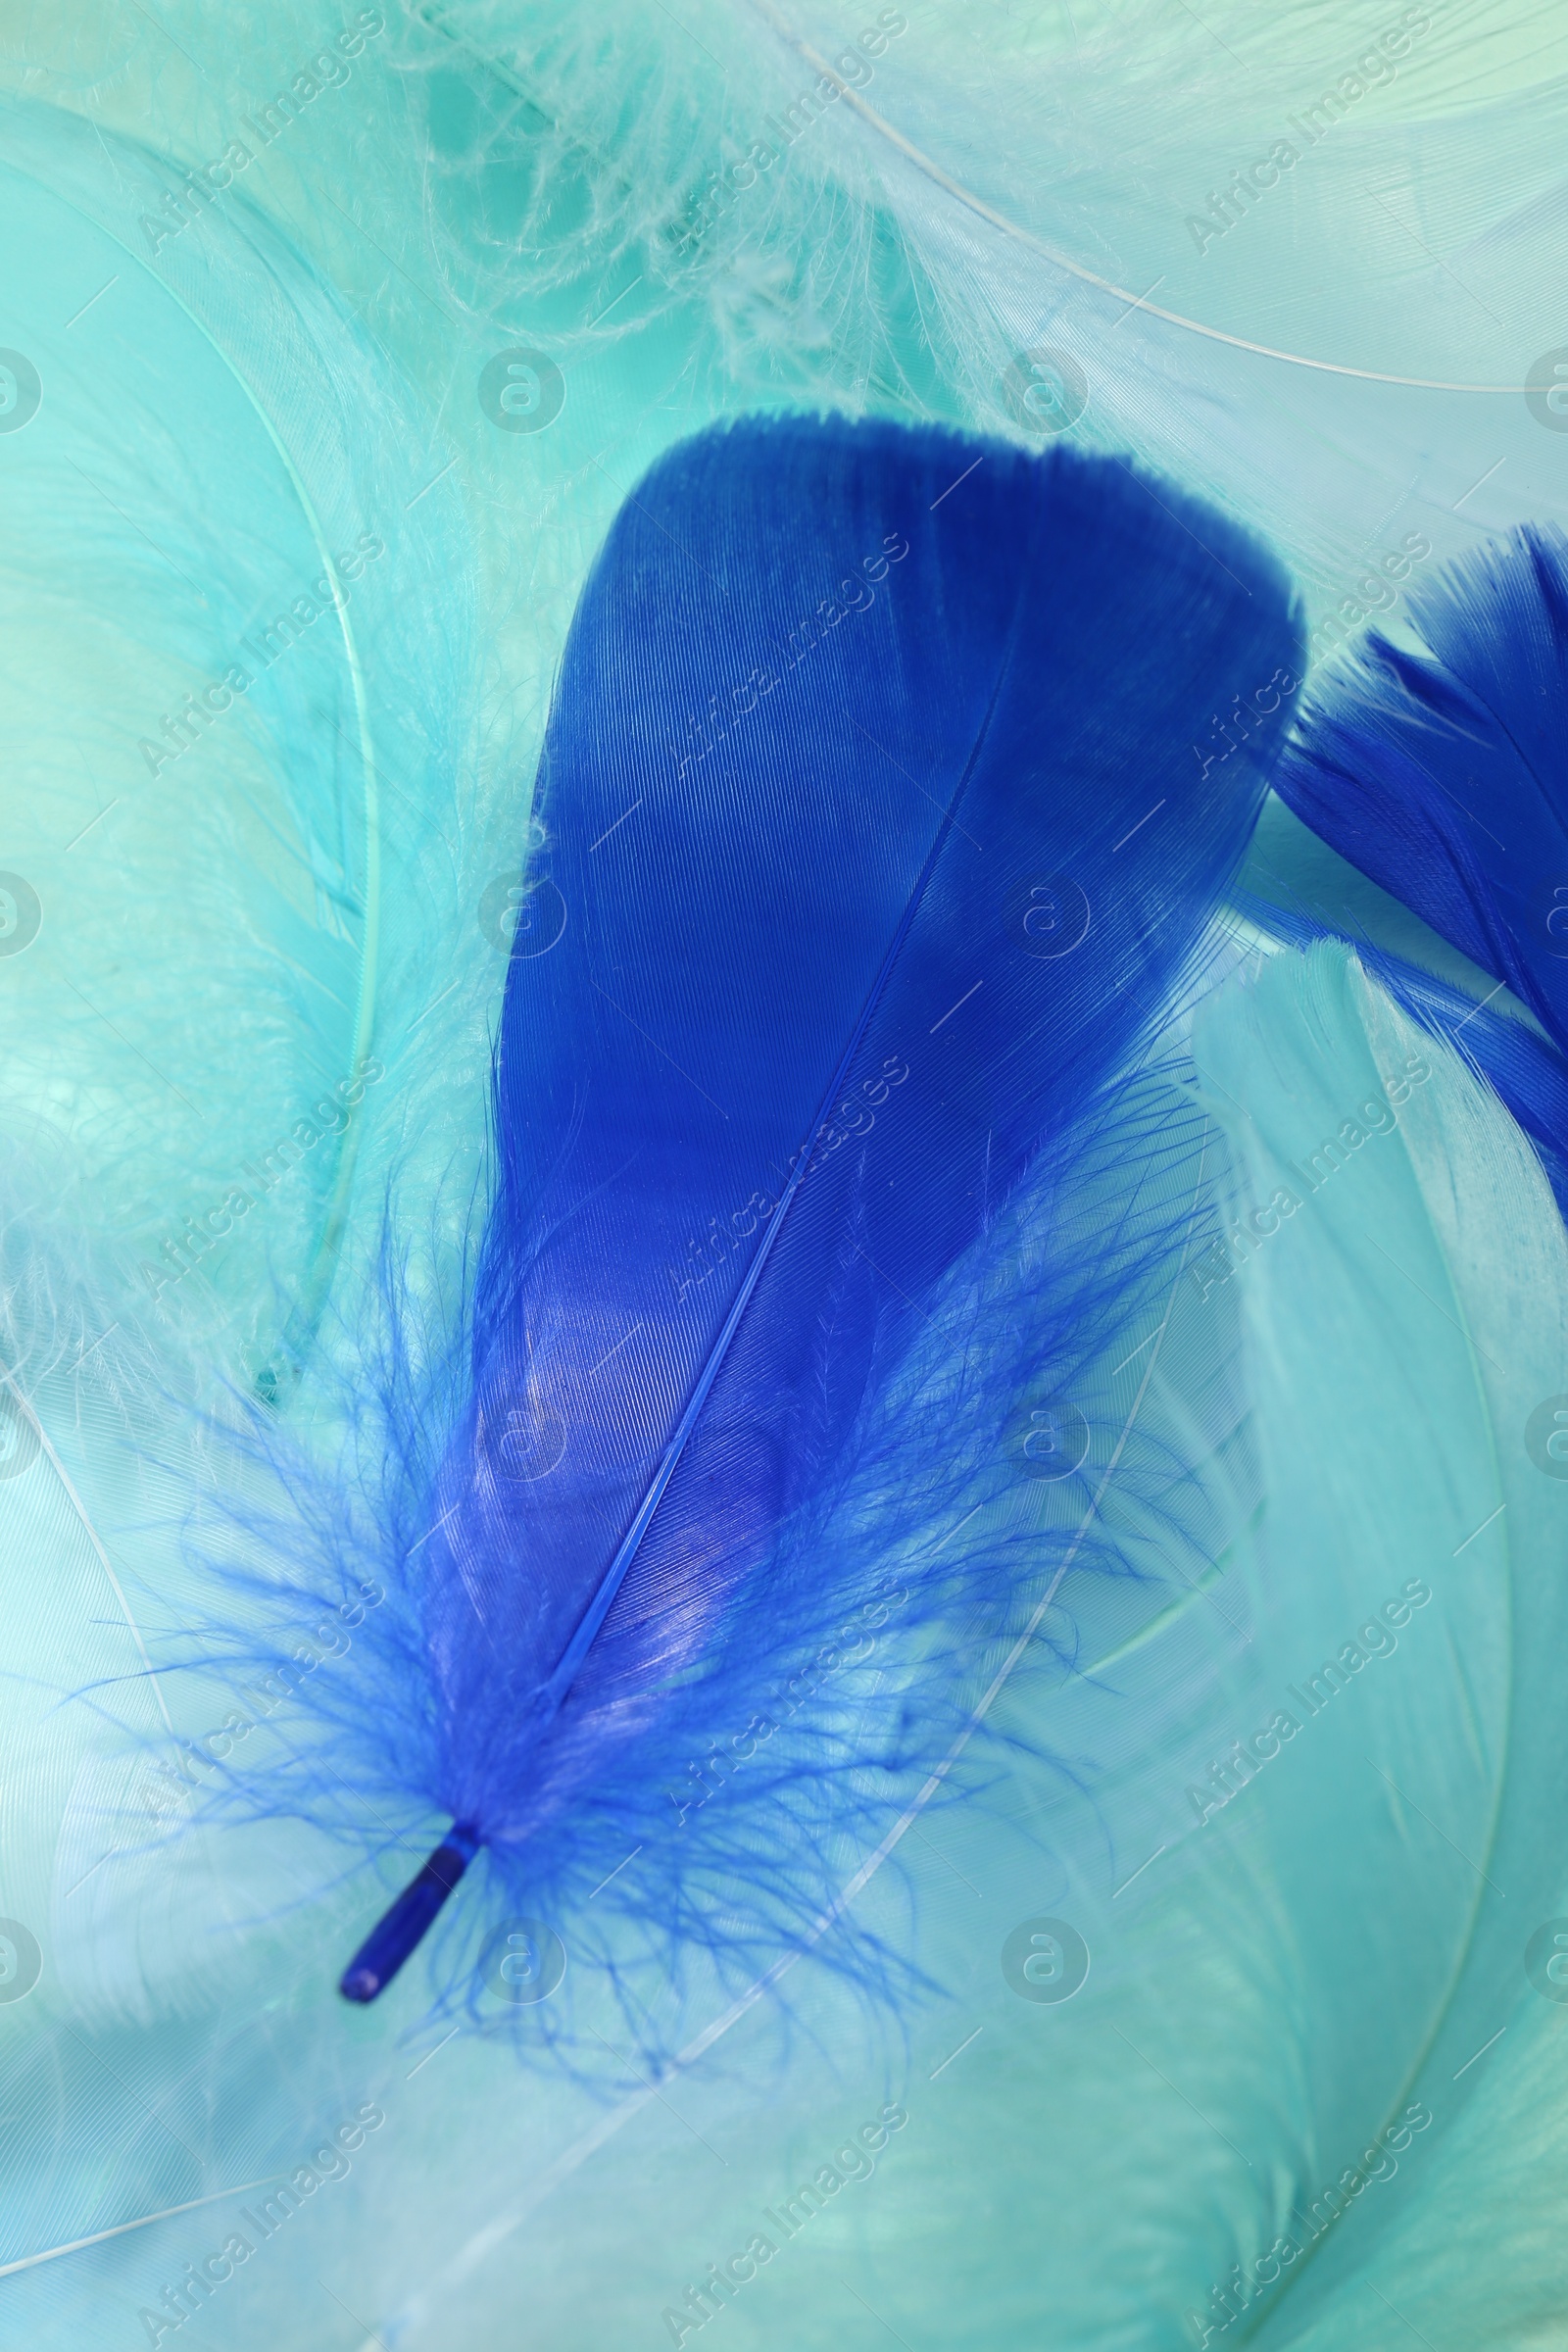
1014,230
402,1929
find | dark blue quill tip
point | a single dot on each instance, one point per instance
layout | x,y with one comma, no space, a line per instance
398,1934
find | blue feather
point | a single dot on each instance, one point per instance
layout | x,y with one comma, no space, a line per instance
1442,773
881,813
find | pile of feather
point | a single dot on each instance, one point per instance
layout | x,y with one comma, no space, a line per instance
784,1329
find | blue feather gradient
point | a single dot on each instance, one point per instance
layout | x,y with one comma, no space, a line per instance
891,783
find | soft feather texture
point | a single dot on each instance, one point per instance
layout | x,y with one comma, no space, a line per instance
276,623
1409,1314
895,207
179,2044
871,850
1278,1986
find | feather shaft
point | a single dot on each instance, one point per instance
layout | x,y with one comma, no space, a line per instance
405,1922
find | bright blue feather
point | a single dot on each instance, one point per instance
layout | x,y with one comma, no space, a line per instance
1442,773
880,814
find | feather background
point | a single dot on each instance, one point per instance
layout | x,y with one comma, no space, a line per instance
490,179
